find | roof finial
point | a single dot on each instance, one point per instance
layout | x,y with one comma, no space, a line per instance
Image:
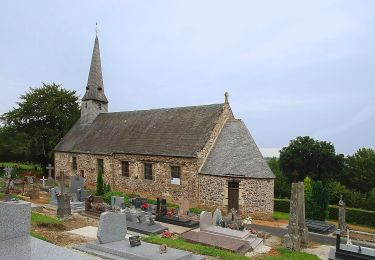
226,95
96,28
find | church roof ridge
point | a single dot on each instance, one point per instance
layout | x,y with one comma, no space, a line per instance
166,108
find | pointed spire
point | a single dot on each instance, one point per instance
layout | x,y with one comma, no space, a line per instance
95,88
226,95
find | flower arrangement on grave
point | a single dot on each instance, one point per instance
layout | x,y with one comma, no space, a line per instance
171,212
247,221
166,234
144,206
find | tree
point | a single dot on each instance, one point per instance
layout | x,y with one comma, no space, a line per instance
360,170
99,183
305,156
282,184
316,199
44,115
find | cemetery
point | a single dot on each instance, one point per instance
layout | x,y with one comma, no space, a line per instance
170,178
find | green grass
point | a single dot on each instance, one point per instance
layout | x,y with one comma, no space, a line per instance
280,215
43,220
38,236
22,166
286,254
195,248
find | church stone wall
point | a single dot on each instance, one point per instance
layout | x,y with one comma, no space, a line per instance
255,195
160,186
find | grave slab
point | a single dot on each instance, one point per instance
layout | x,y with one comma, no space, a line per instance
227,232
223,242
146,251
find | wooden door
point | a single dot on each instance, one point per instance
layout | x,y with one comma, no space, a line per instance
233,194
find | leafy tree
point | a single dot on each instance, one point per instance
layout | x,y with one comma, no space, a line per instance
360,170
282,184
42,118
305,156
307,184
371,199
100,183
319,210
14,145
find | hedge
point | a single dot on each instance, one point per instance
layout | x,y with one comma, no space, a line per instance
282,205
353,215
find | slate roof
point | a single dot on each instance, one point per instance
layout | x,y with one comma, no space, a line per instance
95,86
235,153
179,131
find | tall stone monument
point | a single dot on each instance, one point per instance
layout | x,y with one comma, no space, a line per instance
63,200
342,215
298,236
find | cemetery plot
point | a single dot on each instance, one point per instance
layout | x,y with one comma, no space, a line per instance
320,227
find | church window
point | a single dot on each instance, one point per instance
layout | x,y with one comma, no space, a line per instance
82,173
125,169
100,165
100,106
176,175
148,171
74,164
85,104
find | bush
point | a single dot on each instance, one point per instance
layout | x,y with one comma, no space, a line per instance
282,205
99,183
371,199
195,210
354,216
318,209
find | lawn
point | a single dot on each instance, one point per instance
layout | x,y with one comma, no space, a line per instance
280,215
22,166
286,254
43,220
223,254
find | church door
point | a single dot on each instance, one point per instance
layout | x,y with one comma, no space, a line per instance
233,194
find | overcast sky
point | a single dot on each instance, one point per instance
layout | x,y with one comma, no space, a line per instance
292,68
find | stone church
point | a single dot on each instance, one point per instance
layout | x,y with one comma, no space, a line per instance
202,153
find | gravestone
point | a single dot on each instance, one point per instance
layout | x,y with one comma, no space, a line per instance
76,183
117,201
15,219
342,215
43,181
9,184
217,217
112,227
297,236
50,180
8,172
34,193
184,207
53,195
205,220
63,200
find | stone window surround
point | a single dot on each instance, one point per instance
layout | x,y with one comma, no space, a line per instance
125,173
151,169
74,163
97,165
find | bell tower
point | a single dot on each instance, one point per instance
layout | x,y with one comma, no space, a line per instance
94,101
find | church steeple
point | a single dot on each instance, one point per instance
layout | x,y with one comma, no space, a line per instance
94,101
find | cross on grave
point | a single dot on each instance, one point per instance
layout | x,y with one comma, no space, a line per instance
44,181
8,171
49,168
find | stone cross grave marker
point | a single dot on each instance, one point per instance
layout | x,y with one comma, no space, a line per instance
112,227
44,181
63,200
205,220
8,170
117,201
50,168
184,207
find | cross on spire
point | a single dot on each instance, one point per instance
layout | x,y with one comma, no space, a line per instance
96,28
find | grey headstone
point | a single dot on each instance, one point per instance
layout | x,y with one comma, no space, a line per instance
205,220
112,227
14,219
217,217
53,194
63,206
76,183
117,201
73,197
